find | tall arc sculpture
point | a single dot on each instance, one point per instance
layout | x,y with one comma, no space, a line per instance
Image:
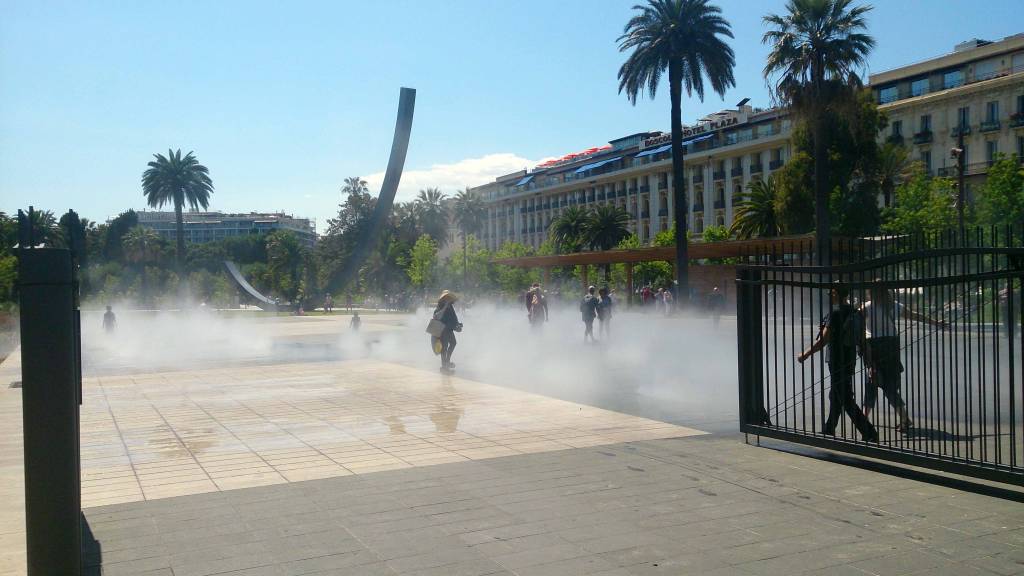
386,198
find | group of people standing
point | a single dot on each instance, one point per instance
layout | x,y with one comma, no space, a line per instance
872,329
661,299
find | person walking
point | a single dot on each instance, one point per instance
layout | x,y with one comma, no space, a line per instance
537,307
109,321
445,312
328,304
588,308
882,350
716,302
841,330
667,301
604,312
355,322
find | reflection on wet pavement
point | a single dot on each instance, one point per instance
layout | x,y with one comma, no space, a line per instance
156,435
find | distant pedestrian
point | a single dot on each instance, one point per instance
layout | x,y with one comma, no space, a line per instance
355,322
716,303
328,304
667,302
841,330
588,309
604,312
536,306
348,302
445,312
109,321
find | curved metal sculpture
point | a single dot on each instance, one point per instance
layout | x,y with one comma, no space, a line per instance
386,198
262,301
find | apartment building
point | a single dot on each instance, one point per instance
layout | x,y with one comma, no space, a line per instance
980,86
203,227
724,152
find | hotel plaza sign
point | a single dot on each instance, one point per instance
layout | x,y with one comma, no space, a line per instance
689,131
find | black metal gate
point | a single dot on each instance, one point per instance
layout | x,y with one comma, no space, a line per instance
950,389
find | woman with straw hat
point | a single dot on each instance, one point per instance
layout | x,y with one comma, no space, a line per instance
445,312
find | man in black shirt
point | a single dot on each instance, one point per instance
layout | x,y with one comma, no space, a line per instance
841,331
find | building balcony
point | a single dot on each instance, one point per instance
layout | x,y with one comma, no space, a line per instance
776,164
522,210
1017,120
698,207
645,214
719,175
632,190
662,185
990,126
956,131
756,168
663,212
645,188
719,204
737,172
896,139
923,137
698,178
621,193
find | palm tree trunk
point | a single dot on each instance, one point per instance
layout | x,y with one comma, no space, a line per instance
179,252
465,261
823,233
678,183
608,275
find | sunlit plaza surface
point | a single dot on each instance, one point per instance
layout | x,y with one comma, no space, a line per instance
274,446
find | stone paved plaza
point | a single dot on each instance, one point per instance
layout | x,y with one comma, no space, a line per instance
367,466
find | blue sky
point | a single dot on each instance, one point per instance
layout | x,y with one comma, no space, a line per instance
283,102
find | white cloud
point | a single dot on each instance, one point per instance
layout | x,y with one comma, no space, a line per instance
455,176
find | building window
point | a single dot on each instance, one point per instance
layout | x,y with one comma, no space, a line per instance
887,94
918,87
992,111
1020,104
963,116
991,149
926,123
1020,148
897,128
926,159
952,79
985,70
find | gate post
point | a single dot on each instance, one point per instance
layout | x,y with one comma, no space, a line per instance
49,374
749,351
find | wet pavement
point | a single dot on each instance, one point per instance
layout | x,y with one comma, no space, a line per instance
293,446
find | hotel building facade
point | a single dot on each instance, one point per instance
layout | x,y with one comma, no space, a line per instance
727,150
979,85
202,227
724,152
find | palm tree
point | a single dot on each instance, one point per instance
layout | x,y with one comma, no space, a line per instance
817,46
354,185
569,228
755,213
894,167
178,180
684,36
432,215
468,210
605,227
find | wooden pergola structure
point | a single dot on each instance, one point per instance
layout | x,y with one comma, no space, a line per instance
778,246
